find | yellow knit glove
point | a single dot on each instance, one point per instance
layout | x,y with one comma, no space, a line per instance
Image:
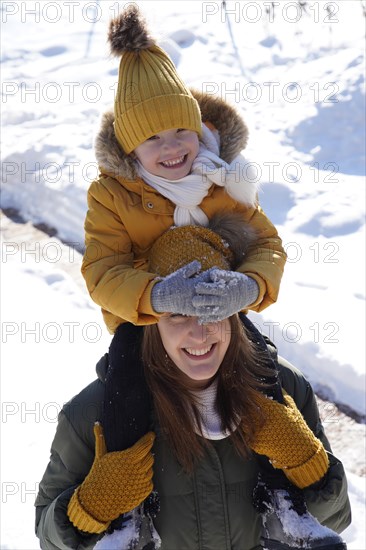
289,443
117,482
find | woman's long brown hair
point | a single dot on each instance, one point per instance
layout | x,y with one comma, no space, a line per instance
242,374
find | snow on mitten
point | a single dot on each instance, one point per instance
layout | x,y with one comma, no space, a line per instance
117,482
226,293
289,443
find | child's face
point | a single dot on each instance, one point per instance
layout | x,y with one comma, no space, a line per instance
169,154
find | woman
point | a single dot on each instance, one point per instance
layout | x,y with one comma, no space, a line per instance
209,413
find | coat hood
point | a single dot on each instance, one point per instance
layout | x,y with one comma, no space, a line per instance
214,110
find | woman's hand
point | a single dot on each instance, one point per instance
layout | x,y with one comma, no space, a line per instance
289,443
117,482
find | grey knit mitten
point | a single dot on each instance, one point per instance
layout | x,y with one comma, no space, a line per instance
227,293
175,292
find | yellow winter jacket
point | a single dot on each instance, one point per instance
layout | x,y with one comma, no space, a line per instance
126,215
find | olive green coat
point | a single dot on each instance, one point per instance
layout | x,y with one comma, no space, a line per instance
211,510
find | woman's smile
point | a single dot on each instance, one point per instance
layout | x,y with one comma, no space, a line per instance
203,353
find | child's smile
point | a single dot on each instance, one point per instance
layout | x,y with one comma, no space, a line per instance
169,154
174,163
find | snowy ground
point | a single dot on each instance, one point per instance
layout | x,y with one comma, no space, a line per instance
298,80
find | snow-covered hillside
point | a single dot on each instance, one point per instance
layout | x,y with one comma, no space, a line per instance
297,77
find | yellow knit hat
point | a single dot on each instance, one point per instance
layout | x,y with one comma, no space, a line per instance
223,244
151,97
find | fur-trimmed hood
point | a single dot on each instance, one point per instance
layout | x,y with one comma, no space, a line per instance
231,127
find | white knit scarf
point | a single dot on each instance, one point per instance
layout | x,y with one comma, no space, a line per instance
208,168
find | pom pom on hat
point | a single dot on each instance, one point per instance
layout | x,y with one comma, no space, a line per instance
151,97
128,32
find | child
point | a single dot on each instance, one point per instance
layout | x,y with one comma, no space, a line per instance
160,166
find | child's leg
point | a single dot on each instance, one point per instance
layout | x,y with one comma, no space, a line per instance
275,497
286,521
127,400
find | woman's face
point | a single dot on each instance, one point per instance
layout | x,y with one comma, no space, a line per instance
197,350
